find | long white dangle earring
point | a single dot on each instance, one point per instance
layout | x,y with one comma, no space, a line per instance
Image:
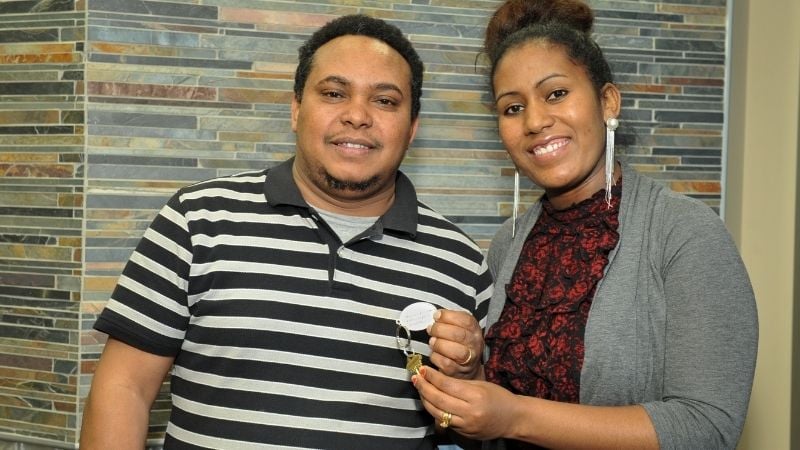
611,124
516,204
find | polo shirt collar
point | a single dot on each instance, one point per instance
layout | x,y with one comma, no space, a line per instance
280,189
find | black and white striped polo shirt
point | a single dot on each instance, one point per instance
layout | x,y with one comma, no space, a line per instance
282,335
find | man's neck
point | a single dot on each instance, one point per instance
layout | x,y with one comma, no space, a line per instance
374,205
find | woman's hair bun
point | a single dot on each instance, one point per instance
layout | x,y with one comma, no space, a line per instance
514,15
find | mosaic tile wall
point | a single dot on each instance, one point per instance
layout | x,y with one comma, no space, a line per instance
42,150
107,107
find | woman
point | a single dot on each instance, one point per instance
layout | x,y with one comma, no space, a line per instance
622,316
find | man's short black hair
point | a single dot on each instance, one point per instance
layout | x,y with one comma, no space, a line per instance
360,25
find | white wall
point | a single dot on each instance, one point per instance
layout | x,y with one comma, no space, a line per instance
761,204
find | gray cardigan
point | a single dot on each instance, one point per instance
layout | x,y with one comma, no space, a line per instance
673,323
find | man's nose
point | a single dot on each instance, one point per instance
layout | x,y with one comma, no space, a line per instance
357,113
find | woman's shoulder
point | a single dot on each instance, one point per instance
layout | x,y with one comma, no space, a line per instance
675,218
668,205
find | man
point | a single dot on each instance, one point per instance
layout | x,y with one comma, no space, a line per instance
274,296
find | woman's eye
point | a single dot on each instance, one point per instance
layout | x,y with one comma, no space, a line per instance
512,109
557,94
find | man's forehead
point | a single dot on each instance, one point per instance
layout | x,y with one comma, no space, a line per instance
363,42
335,62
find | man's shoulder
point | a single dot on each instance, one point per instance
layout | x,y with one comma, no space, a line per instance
433,222
242,181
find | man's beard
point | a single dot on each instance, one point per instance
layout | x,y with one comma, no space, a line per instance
356,186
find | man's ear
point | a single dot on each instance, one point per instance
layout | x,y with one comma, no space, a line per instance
295,112
413,134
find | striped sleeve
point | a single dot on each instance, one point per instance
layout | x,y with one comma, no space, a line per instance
148,308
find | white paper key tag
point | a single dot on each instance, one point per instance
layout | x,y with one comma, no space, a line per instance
417,316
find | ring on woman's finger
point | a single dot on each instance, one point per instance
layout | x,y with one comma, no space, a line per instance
446,418
469,358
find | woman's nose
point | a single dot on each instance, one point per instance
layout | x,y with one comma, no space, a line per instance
537,119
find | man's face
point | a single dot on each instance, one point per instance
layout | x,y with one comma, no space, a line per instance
354,123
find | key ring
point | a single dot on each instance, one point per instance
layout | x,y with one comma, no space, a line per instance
405,348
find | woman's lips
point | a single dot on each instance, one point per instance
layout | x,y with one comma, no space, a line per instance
550,147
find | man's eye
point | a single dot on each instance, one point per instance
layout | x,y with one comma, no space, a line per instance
387,101
332,94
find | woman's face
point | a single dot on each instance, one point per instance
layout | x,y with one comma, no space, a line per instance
552,121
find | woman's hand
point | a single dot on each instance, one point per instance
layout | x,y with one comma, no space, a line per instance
478,409
456,344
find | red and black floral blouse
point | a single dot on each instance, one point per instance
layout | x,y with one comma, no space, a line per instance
537,344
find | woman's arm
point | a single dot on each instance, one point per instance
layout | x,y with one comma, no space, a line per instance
482,410
711,333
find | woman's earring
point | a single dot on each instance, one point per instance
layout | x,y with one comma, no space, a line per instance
516,204
611,124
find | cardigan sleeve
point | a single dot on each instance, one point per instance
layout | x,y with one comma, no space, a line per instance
711,332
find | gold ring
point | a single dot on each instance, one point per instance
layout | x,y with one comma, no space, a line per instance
446,418
469,358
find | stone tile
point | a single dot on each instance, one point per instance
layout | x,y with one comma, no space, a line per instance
29,34
37,88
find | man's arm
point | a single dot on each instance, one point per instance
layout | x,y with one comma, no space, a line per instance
124,387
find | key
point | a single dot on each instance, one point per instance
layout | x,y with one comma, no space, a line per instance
413,363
